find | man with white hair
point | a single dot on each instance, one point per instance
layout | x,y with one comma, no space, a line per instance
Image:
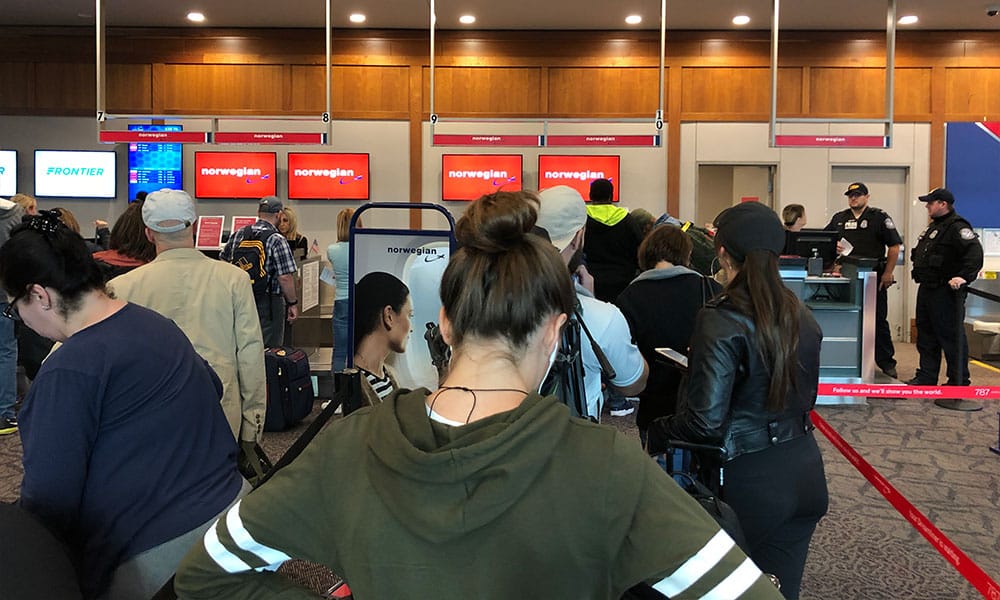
563,216
210,300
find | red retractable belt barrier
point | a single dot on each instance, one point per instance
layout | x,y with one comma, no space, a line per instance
952,553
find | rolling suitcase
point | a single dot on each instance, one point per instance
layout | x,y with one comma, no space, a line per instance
289,387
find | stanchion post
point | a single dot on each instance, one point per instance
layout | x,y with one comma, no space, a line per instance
996,449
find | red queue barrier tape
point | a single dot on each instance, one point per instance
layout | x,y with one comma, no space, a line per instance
952,553
910,391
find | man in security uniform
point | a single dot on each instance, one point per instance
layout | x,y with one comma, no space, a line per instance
873,234
947,257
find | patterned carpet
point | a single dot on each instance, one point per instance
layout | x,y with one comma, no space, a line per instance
938,459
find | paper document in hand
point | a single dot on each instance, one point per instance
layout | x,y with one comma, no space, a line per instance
673,356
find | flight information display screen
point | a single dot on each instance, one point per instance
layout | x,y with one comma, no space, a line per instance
153,166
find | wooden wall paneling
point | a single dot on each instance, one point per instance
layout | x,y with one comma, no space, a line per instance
739,93
603,91
308,89
286,89
222,89
912,91
972,91
371,88
159,79
847,92
129,88
67,87
18,84
484,91
366,91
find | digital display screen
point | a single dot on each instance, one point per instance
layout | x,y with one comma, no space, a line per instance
153,166
75,173
8,173
578,172
314,175
469,176
234,174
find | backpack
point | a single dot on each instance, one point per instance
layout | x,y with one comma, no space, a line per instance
250,254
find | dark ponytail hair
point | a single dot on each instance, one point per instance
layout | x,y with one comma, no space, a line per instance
758,292
505,280
43,251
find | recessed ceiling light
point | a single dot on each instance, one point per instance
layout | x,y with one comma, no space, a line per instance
908,19
741,20
633,19
197,17
467,19
357,18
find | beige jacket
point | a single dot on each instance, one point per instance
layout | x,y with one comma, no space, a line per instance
212,302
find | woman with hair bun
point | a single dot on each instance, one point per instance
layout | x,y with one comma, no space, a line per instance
481,488
127,455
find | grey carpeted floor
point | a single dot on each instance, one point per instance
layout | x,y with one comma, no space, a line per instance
939,459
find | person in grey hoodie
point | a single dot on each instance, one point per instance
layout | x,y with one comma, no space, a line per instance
10,216
660,305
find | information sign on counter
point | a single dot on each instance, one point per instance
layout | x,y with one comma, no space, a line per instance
241,222
208,234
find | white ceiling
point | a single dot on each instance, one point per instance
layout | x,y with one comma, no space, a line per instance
505,14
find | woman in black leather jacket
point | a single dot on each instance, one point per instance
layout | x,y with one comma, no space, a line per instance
754,368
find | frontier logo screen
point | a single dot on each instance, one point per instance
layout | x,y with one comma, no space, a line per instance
234,174
75,174
578,172
318,176
469,176
8,173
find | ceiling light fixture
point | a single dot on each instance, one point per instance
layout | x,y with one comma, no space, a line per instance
741,20
467,19
357,18
633,19
195,17
908,19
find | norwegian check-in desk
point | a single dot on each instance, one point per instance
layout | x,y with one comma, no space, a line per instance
844,307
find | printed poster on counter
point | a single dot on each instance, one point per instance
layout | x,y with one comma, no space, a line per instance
208,233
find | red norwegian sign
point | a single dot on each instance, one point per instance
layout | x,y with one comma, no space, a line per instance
602,140
155,137
831,141
448,139
269,137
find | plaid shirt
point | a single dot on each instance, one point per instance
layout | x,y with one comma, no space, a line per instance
279,259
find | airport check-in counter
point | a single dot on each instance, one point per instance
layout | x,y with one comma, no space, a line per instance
982,319
313,330
844,307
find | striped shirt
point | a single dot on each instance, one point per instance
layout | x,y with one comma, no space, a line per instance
382,386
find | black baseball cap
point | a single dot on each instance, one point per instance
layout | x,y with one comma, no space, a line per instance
749,226
938,194
857,188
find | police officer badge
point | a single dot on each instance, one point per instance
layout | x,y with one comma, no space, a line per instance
933,234
864,224
967,234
